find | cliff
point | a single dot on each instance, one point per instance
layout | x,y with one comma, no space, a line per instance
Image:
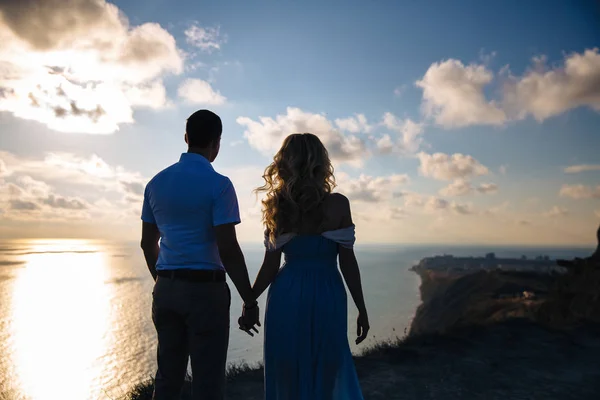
478,336
559,301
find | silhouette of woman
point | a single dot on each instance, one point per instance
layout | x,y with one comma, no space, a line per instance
306,354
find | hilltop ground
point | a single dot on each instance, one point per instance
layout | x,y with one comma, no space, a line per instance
477,337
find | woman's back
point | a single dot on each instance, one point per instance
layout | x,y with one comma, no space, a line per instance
330,215
307,355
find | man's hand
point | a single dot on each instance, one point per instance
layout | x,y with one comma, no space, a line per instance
249,319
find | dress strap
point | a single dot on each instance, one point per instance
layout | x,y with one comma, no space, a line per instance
280,241
345,237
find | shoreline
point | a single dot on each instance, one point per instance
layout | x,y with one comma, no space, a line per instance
473,337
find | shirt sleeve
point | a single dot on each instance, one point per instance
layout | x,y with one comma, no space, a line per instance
147,214
225,208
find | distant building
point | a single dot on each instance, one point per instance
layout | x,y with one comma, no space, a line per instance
460,265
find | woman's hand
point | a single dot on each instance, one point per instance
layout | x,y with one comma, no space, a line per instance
362,327
249,318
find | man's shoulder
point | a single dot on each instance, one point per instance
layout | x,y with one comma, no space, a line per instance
221,181
159,175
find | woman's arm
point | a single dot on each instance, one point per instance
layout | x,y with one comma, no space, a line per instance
268,271
351,274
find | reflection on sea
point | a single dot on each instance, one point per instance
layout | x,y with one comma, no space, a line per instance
59,319
74,325
75,320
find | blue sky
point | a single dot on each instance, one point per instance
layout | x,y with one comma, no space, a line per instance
458,80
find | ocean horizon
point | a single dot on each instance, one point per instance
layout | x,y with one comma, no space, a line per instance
81,308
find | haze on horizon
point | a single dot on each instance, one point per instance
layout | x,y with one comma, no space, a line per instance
473,124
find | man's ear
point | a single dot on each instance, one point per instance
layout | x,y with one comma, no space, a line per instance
185,137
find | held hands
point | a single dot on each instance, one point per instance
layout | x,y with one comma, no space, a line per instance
362,327
250,318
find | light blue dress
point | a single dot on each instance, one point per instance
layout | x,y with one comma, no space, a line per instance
306,353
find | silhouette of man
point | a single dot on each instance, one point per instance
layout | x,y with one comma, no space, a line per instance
192,210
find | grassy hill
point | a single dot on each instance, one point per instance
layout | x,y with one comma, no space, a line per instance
478,337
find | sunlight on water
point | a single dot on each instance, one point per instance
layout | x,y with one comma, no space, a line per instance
75,315
60,315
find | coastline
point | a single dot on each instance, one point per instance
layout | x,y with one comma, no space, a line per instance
476,335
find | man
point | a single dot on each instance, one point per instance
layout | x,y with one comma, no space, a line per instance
193,211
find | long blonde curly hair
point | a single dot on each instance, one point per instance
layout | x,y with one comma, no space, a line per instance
296,183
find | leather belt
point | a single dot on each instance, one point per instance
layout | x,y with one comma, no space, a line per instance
193,275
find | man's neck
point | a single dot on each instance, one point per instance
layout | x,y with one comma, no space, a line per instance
203,152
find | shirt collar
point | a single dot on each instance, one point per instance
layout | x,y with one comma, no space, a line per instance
194,158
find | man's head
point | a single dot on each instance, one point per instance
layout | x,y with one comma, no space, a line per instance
203,133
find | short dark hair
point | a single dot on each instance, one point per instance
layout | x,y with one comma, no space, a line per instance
202,128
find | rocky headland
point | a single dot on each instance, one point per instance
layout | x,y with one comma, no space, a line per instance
485,333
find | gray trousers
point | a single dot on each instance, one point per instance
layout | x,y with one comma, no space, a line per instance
192,322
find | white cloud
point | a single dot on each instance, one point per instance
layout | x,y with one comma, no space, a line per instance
544,93
67,168
457,188
371,189
395,213
574,169
557,211
65,187
385,145
78,66
356,124
399,90
206,39
453,95
499,209
461,187
434,204
485,188
447,167
409,135
197,91
28,198
267,134
580,191
3,169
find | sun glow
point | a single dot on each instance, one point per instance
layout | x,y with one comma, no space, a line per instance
60,313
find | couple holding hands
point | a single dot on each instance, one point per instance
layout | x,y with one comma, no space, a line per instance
189,241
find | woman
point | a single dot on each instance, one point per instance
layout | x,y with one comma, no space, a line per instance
306,352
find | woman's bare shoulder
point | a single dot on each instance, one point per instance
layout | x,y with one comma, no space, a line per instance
338,200
337,209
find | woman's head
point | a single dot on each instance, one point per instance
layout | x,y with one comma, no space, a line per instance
296,182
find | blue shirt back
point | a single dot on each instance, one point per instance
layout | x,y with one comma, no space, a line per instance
185,201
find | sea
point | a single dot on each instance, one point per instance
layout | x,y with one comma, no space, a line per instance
75,320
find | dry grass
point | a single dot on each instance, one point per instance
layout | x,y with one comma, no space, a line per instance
476,338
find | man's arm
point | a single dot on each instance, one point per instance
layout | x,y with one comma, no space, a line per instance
233,261
226,215
150,247
150,234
